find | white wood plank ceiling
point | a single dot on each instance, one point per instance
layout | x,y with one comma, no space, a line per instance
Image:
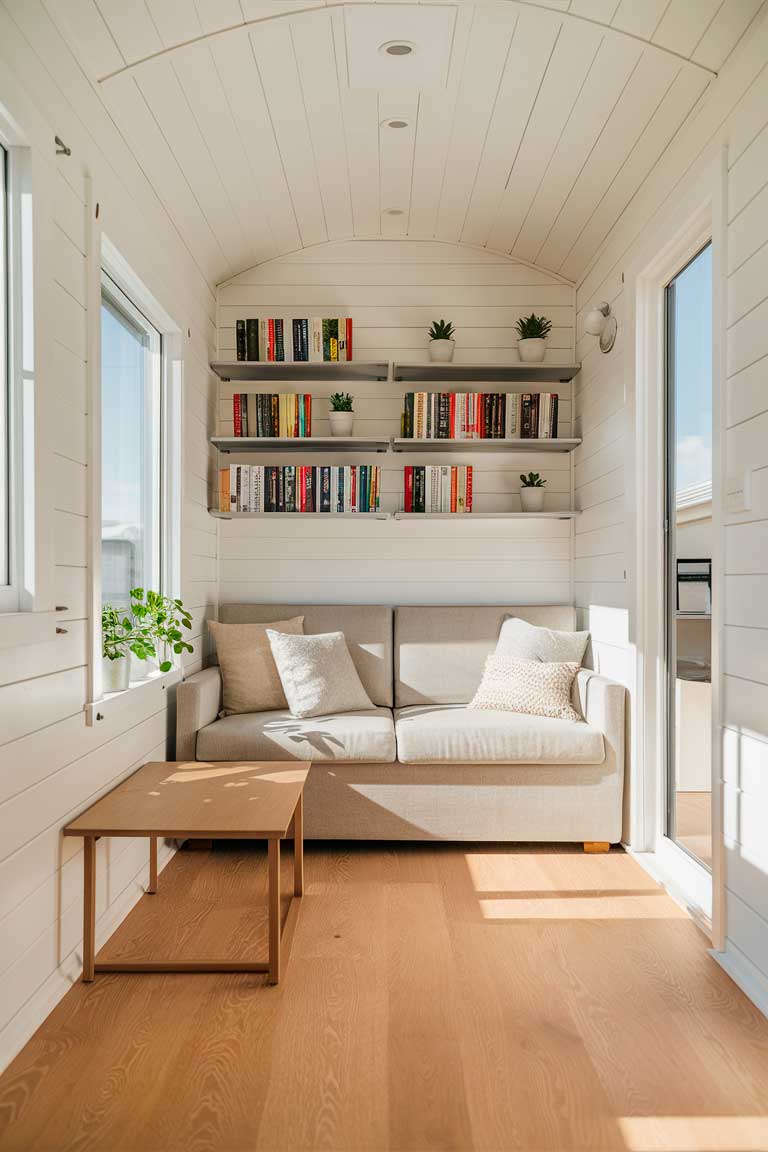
525,127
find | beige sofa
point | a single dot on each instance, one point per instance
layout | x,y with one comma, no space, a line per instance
419,765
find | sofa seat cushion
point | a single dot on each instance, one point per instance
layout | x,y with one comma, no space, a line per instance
367,736
455,734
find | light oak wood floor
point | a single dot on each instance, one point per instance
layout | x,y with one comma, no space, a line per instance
438,997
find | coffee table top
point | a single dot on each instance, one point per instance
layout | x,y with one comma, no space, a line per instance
247,799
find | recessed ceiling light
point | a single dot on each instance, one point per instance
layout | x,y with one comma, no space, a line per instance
393,212
397,122
397,48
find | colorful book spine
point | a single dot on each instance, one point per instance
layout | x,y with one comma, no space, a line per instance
437,488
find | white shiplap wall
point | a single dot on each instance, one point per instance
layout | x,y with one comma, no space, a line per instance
51,764
734,112
392,289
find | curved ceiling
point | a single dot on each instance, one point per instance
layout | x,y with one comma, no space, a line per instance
263,125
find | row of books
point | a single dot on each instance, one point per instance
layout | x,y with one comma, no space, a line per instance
438,488
307,340
480,415
272,414
294,488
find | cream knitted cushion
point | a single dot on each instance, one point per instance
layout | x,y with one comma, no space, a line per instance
250,680
527,686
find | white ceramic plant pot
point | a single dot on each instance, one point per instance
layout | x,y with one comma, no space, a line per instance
532,499
441,351
115,674
341,423
531,351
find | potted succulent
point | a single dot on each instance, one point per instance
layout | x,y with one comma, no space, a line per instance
532,332
532,492
147,631
441,342
342,416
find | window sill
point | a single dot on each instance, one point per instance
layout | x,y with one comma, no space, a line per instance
115,702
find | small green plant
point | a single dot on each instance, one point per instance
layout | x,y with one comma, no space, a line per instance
532,480
152,621
441,330
341,402
159,619
533,327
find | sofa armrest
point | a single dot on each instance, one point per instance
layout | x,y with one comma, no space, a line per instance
198,702
602,702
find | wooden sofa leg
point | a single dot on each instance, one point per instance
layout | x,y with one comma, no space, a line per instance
596,846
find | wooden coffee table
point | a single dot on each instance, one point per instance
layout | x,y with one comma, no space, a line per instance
249,800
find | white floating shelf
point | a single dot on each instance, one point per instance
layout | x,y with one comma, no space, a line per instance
486,373
485,515
411,444
300,515
301,444
284,372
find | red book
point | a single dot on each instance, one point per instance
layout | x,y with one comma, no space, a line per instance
469,488
270,339
302,497
308,414
237,414
409,488
353,487
296,402
452,415
349,337
454,478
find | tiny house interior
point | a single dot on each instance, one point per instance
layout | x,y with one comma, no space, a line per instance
383,574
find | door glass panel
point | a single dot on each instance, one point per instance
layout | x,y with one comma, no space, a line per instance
689,556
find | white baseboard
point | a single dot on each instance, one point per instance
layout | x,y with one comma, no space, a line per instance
21,1027
743,972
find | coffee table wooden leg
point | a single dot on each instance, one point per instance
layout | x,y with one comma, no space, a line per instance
89,907
152,865
274,911
298,848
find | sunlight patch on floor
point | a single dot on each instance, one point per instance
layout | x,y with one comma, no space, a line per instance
704,1133
590,906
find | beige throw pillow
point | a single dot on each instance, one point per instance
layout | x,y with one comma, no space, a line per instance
527,686
519,640
250,679
318,674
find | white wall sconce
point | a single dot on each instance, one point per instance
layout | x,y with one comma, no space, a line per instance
601,322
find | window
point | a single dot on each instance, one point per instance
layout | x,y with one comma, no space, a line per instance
5,390
131,448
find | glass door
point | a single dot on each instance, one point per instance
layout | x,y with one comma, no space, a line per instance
688,550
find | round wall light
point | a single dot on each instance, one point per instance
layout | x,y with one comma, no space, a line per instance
397,48
397,122
393,212
601,322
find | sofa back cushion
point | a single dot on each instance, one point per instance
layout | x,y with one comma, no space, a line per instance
440,651
367,629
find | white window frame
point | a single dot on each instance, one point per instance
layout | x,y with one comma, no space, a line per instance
104,257
27,608
696,218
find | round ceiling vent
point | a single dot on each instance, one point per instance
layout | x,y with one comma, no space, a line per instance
394,122
397,48
393,212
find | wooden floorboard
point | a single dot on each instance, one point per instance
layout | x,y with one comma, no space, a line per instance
438,997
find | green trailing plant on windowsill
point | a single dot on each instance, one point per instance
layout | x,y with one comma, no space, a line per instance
153,623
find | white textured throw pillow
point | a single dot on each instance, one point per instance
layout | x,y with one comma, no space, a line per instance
527,686
519,640
317,674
